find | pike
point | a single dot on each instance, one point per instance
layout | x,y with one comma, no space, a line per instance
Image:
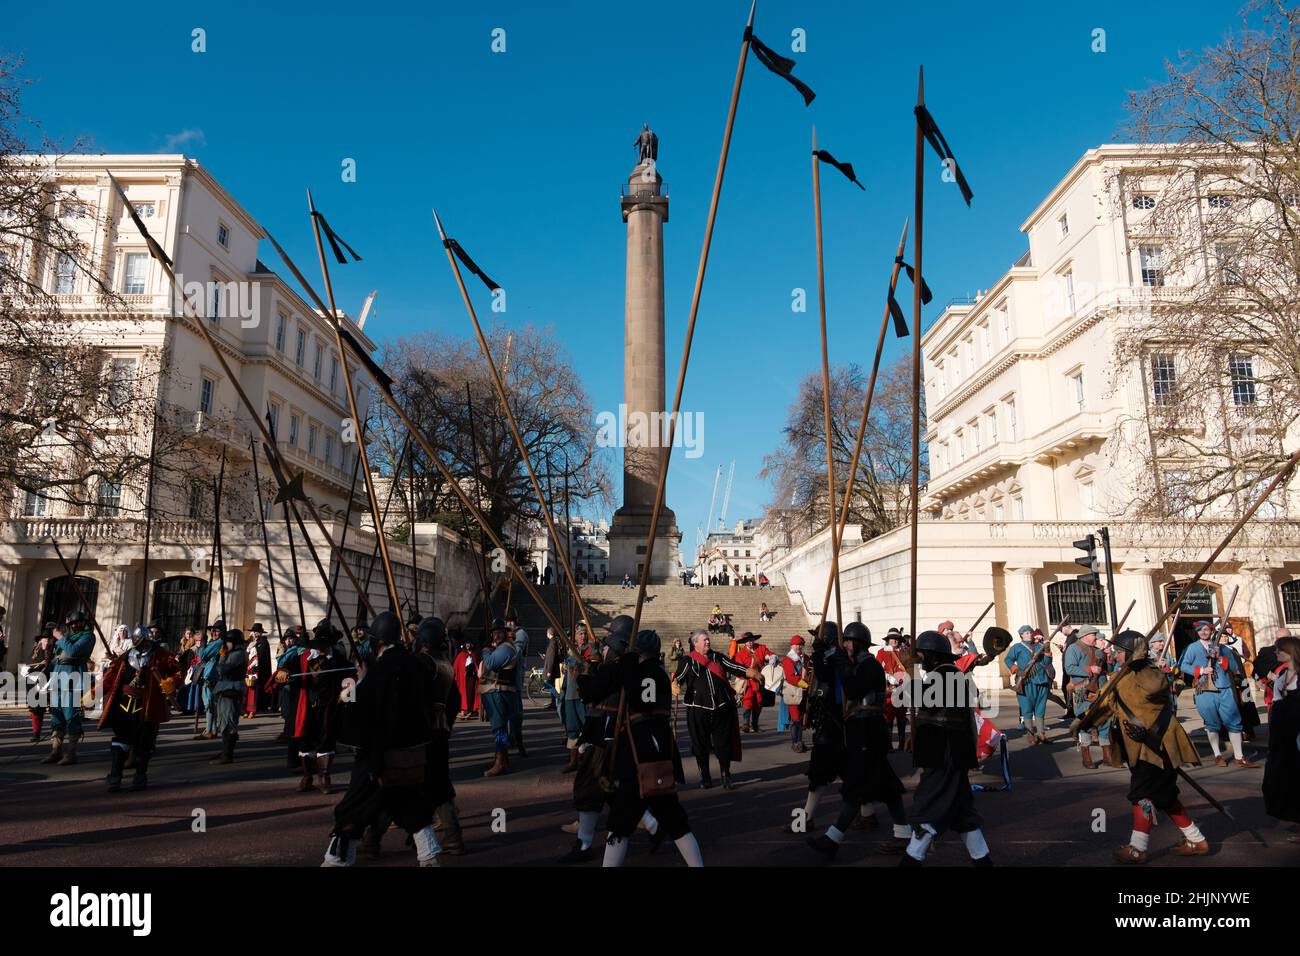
832,580
216,536
318,221
201,326
481,563
347,513
454,252
926,130
392,489
148,520
266,542
826,376
216,532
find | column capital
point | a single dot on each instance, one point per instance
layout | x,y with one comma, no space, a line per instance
1145,568
1026,568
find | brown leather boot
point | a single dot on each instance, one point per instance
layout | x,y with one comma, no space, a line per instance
308,774
69,752
1130,854
1088,762
1188,848
56,749
325,784
572,765
499,766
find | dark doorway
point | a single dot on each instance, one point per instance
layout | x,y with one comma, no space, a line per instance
178,603
61,598
1202,604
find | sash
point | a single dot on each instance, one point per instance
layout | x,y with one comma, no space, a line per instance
713,666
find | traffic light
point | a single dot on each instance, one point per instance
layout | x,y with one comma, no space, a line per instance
1088,546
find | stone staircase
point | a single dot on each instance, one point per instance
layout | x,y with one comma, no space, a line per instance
673,610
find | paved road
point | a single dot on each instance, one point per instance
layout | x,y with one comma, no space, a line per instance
58,816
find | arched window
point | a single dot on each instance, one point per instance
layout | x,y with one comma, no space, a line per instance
1085,603
178,602
1291,602
61,598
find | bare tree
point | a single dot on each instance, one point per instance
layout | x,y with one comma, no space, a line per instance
550,404
1215,217
797,470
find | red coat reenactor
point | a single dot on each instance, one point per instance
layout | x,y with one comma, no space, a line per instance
750,653
896,673
137,689
798,675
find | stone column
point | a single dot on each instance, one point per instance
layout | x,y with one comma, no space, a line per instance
1259,601
642,419
1022,597
1141,580
13,584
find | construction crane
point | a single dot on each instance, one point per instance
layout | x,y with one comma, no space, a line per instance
708,525
726,496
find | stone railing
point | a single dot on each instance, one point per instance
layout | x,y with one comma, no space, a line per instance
123,530
1132,533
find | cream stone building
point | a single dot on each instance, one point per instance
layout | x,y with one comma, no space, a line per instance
284,355
1028,430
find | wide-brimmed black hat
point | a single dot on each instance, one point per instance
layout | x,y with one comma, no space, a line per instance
257,629
217,625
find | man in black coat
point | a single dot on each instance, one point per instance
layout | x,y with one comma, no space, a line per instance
868,777
388,716
647,766
711,715
944,748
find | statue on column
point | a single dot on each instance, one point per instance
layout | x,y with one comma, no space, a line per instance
647,145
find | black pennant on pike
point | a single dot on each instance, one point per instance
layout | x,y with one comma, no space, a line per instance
286,490
845,168
932,134
470,264
336,241
782,66
896,310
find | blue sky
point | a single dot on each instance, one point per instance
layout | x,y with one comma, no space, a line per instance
523,153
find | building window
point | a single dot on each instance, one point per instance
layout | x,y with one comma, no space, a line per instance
993,425
73,209
999,512
65,275
986,336
35,505
1226,255
206,391
1088,497
293,429
1006,325
121,378
313,431
315,362
214,313
1290,602
1144,201
329,447
1242,370
198,494
145,210
1067,283
973,426
280,323
1018,507
137,265
1011,419
300,348
334,373
1076,385
1153,265
1164,378
108,499
275,420
223,235
968,344
1084,602
1219,200
1063,226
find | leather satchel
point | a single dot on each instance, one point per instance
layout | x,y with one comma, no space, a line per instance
654,778
792,694
403,766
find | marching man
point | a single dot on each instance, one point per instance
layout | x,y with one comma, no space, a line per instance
1211,673
136,688
1155,746
1083,664
1032,673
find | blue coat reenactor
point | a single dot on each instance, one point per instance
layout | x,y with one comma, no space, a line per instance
67,684
1030,663
1210,672
1085,668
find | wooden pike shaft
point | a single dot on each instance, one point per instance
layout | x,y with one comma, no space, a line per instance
148,520
347,513
389,579
666,453
832,523
392,488
216,533
201,326
266,541
500,387
478,493
919,214
862,425
1124,617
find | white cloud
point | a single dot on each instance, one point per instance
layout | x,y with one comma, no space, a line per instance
177,142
